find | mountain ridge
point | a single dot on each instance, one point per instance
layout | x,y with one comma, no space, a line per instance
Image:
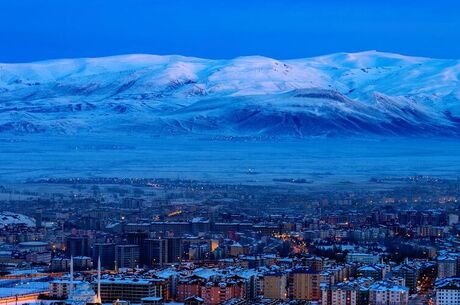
365,93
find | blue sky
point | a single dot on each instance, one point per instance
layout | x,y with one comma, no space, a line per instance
44,29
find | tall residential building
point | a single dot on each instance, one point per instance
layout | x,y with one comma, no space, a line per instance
138,238
127,256
304,284
77,246
156,252
39,218
106,251
175,250
275,285
447,265
410,274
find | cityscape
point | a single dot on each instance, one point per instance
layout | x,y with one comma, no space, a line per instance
231,152
159,241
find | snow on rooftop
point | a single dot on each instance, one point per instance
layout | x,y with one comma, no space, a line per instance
10,218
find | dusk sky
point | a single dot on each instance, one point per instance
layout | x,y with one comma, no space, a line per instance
35,30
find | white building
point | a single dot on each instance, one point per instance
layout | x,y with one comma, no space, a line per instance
60,289
83,294
364,258
388,293
345,293
453,219
448,291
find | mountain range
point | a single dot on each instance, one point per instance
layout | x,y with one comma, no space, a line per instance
345,94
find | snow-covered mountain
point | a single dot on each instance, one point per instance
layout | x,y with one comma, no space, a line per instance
367,93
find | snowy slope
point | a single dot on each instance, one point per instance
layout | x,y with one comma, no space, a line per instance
9,218
340,94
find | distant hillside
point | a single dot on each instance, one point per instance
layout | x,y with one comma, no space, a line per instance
367,93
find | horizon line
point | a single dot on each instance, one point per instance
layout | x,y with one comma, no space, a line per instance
375,51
